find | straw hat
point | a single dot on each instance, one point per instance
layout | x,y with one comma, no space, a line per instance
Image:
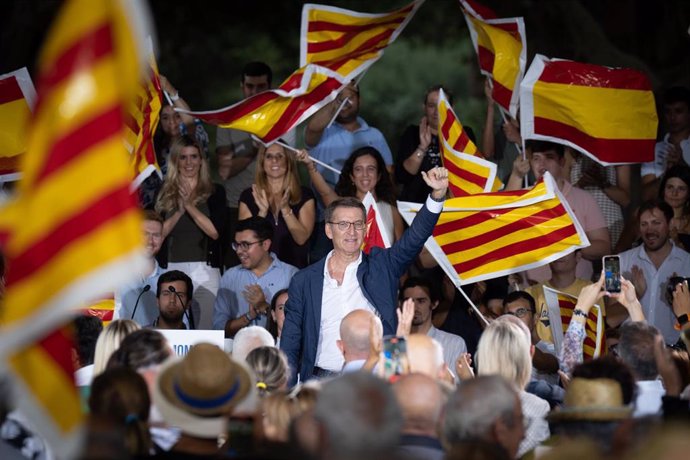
198,392
592,400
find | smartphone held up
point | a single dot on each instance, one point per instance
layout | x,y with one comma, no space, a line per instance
612,274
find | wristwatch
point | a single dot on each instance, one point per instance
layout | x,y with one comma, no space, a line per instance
682,319
247,317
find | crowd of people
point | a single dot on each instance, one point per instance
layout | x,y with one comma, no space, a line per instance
340,354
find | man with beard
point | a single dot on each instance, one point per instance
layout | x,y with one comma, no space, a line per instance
426,297
650,266
174,296
246,288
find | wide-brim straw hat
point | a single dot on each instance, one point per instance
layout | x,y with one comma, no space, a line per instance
199,392
592,400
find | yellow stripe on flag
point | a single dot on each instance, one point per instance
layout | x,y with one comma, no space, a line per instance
13,118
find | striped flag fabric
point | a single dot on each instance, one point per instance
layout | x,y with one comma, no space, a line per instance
609,114
102,307
501,49
468,172
478,10
376,235
141,123
487,235
73,230
270,114
561,306
348,42
17,98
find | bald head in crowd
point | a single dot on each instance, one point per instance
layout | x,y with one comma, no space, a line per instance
354,334
425,355
421,400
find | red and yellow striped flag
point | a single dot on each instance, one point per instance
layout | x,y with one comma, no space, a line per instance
478,10
73,230
142,121
270,114
561,306
102,308
501,49
468,172
17,98
348,42
483,236
606,113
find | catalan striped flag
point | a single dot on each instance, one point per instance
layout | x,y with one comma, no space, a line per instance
483,236
142,121
270,114
501,49
468,172
606,113
348,42
478,10
17,98
561,306
103,308
73,230
376,235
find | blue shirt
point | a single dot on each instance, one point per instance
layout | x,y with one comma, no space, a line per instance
337,143
231,304
126,298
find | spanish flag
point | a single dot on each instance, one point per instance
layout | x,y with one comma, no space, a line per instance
376,235
501,48
468,172
348,42
606,113
561,306
484,236
270,114
141,123
73,230
17,98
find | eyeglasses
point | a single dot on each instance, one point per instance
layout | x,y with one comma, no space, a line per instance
344,225
520,312
244,245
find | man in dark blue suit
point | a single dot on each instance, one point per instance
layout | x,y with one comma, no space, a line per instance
322,294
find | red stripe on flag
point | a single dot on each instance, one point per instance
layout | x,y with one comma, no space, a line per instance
99,212
448,123
10,90
469,221
516,248
58,345
502,95
97,129
483,11
486,59
595,76
464,174
240,110
131,123
462,141
340,42
524,223
298,106
87,50
608,150
321,26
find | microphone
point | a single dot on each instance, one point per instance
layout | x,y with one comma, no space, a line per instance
190,314
146,288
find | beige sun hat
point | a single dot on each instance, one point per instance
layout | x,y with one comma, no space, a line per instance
592,400
199,392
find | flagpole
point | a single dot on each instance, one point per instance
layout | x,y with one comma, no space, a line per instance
476,310
335,115
289,147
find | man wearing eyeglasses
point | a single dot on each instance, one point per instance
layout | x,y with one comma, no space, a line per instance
245,288
322,294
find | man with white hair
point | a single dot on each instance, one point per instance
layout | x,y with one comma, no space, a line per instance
354,338
248,339
426,356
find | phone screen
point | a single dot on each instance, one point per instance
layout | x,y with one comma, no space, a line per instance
394,357
612,273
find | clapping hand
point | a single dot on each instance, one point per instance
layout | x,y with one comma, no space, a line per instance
424,134
405,315
256,299
261,200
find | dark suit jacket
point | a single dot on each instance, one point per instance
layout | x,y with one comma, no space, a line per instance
378,275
